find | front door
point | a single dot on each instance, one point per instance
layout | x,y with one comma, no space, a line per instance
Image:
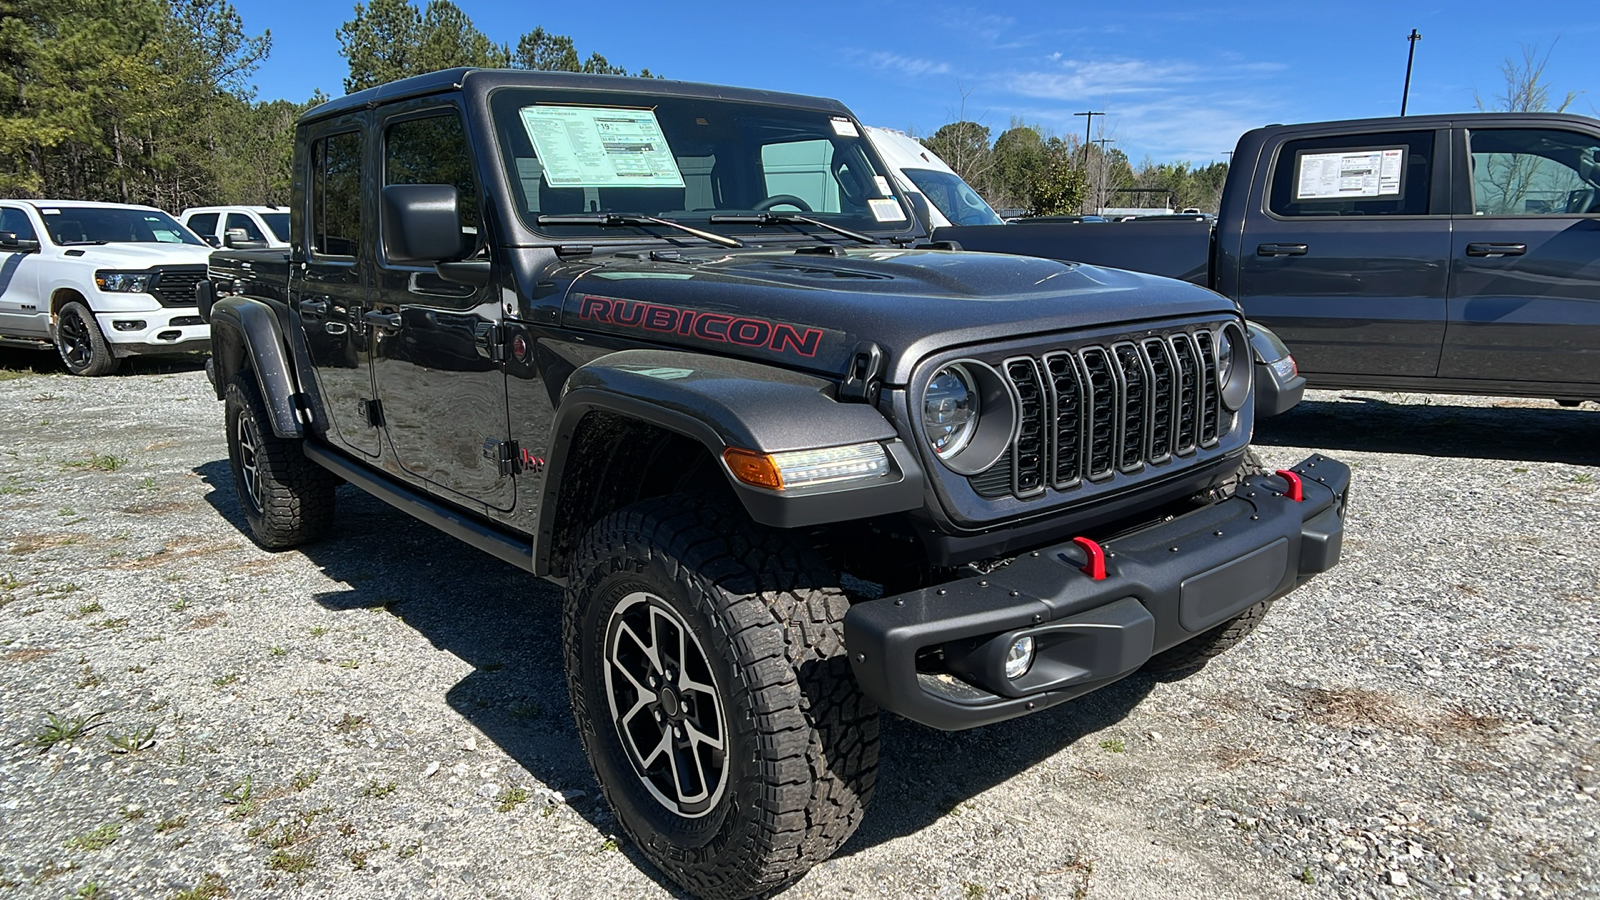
329,297
1345,257
1525,259
20,312
435,360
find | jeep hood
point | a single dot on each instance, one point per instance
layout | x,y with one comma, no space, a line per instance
810,310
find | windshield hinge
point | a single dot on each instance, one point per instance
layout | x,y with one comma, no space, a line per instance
863,380
821,250
902,240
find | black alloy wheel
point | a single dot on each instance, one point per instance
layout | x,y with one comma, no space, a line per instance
81,345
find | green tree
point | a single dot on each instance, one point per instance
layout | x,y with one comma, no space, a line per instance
964,147
380,43
1020,160
1062,186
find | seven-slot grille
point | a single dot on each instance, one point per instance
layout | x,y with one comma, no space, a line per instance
175,287
1103,408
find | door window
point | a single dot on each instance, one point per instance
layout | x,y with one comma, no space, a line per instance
433,150
16,221
251,231
204,224
1386,174
336,194
1534,172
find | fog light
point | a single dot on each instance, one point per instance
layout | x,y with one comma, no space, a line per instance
1019,658
128,324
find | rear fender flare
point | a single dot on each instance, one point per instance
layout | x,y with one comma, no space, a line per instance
246,332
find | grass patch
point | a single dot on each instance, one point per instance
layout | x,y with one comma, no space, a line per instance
98,839
58,729
171,824
511,798
379,789
87,609
278,651
133,740
303,780
210,887
293,863
225,680
100,462
350,723
1113,745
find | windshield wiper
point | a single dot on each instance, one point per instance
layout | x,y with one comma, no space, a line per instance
770,218
81,243
618,219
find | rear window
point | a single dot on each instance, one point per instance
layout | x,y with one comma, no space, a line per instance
1386,174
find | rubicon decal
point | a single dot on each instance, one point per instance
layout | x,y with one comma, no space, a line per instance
746,331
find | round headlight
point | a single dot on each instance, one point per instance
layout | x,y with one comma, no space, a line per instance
1233,366
950,410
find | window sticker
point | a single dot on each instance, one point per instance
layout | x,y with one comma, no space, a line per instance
1356,173
883,186
887,210
584,146
843,127
51,212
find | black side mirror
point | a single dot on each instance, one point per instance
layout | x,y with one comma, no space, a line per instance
10,241
422,223
239,239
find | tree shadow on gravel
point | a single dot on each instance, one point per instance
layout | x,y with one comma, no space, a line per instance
1476,432
499,619
507,624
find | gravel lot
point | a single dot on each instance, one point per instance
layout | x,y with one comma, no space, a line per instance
383,714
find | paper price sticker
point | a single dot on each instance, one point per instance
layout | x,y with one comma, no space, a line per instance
582,146
887,210
844,127
1355,173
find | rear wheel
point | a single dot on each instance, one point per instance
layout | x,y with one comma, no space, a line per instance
287,499
81,345
713,697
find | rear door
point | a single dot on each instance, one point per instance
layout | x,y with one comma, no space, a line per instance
329,294
20,309
1345,251
1525,258
434,341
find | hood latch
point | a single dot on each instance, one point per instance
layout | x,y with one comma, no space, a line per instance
864,377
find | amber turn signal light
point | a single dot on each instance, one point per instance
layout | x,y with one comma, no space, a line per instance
753,468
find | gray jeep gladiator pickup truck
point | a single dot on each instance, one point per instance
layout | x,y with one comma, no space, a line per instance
676,348
1451,253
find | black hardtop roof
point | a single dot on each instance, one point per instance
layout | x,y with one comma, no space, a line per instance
485,79
1439,120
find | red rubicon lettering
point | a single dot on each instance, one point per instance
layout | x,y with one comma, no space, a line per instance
745,331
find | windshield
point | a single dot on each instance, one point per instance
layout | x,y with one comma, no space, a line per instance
111,225
279,223
951,196
585,154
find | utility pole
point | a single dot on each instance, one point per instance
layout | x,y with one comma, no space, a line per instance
1100,195
1088,128
1410,56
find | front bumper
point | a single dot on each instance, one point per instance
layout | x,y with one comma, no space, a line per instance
1164,585
166,329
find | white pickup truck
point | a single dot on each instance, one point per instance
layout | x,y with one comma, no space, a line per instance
100,281
239,227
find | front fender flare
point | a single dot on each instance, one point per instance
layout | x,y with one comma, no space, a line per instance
722,403
244,329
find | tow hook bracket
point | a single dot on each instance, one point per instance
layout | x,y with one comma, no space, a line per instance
1095,568
1296,491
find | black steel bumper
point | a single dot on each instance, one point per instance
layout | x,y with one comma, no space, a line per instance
1164,585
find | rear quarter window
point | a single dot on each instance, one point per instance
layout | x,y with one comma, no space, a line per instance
1384,174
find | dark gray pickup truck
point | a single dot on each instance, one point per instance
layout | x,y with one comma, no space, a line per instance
1458,254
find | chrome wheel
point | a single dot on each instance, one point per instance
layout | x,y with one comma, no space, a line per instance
664,702
77,349
249,471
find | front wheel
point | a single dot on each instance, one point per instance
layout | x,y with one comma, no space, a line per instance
81,345
712,693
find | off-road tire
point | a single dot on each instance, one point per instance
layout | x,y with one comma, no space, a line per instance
801,740
1192,655
287,499
82,346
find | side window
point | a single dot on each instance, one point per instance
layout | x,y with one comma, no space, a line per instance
801,169
1533,172
336,194
433,150
240,220
203,224
1354,175
16,221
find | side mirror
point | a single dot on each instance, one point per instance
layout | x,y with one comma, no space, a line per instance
10,241
205,297
239,239
422,223
211,239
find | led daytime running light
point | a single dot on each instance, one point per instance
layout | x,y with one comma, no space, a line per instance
802,468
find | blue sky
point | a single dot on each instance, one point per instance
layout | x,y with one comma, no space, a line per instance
1177,81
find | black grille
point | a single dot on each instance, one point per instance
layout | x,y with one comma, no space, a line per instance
175,287
1091,412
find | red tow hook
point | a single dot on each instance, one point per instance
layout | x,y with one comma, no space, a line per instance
1296,492
1096,567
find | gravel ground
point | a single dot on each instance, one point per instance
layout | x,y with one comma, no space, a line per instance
383,713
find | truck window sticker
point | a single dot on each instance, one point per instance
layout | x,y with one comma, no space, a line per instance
590,146
1350,173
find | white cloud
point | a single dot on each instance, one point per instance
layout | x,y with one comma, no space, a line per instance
907,65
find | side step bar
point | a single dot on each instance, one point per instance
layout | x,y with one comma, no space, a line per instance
449,521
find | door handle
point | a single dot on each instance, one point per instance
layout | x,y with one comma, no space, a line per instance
381,319
1281,250
313,307
1492,249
